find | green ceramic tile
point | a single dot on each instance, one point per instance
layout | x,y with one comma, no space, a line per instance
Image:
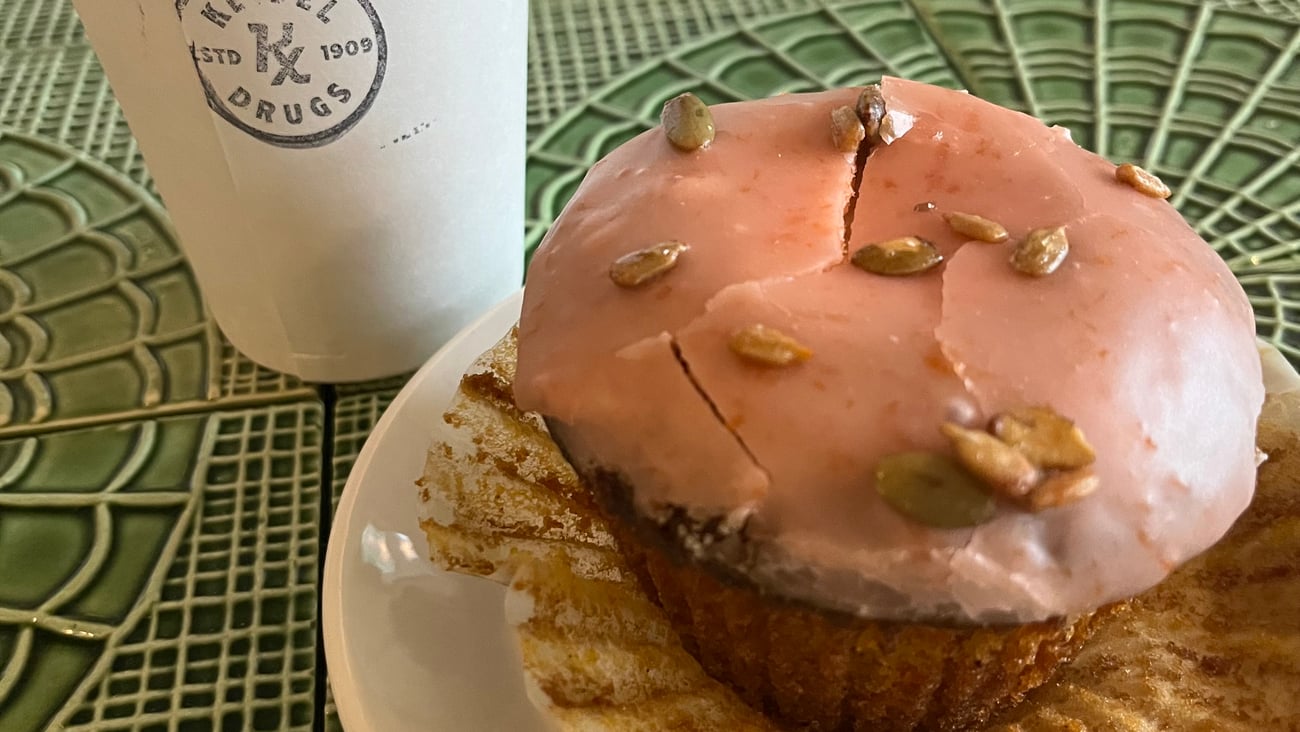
56,89
101,314
355,415
392,384
240,377
332,722
162,570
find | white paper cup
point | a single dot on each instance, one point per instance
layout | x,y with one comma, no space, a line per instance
346,176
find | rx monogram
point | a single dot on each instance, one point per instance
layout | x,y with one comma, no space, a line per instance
288,62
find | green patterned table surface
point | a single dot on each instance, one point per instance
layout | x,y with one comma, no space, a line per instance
164,501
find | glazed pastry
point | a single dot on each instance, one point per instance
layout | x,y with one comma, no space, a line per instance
1216,645
889,398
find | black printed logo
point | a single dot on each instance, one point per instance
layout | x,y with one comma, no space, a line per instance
294,73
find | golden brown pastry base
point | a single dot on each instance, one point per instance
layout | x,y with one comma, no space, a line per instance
811,670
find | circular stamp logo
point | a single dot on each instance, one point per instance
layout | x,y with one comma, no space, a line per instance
294,73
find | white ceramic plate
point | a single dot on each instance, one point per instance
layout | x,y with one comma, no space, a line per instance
411,648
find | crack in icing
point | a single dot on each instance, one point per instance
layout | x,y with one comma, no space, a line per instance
850,209
713,406
957,367
972,382
855,185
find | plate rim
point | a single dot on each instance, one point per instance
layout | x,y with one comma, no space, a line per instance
347,703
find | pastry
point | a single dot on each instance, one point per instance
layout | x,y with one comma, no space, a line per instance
888,398
906,397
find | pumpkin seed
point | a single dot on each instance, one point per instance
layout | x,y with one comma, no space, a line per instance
906,255
847,131
1142,181
687,122
1062,489
1000,466
1049,440
933,489
1041,252
976,227
766,346
640,267
871,110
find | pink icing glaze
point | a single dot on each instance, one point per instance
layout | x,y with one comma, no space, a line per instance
765,199
1143,337
643,390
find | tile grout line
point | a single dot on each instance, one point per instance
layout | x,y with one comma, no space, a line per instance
177,409
329,399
